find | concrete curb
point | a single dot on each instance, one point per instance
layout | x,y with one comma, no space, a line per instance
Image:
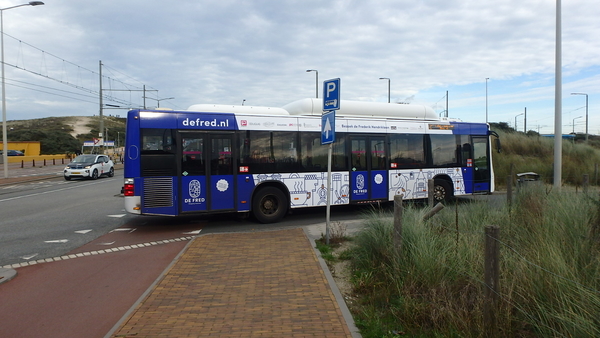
336,292
7,274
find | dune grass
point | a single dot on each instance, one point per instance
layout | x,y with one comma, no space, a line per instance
527,153
549,279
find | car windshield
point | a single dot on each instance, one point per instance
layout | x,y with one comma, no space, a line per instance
85,159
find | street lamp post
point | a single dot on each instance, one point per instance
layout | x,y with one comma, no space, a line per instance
4,138
578,117
158,101
516,120
316,81
389,81
486,100
586,113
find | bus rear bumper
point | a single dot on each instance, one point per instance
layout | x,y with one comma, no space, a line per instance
133,204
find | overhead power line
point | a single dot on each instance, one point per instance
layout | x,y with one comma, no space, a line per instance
108,94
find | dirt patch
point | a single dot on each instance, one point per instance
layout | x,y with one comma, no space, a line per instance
340,270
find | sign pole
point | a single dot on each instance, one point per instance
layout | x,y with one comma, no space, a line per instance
331,103
329,191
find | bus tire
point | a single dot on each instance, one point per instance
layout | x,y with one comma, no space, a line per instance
441,191
269,205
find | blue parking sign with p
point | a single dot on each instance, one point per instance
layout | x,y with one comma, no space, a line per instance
331,94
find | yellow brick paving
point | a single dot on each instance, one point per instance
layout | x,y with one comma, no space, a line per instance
261,284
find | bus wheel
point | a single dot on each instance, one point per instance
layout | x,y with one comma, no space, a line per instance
441,191
269,205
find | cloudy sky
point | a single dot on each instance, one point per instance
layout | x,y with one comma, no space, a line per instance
227,51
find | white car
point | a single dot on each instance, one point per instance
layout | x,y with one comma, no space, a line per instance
89,166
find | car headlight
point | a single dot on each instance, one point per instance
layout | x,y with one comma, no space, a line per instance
88,166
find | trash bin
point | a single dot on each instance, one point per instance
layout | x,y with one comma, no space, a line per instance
527,179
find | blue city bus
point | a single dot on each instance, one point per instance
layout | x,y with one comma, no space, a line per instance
264,161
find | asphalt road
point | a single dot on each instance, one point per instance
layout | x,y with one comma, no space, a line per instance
48,218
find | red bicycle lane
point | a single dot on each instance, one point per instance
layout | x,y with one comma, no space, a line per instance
88,293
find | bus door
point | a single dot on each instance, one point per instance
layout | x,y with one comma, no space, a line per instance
481,164
368,177
207,182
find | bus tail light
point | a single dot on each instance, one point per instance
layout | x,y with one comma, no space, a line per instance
128,187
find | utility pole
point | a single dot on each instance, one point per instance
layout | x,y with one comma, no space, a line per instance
101,135
558,101
525,122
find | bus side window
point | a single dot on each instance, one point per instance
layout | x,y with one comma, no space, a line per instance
313,155
407,151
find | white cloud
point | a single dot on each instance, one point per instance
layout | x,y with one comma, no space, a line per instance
258,50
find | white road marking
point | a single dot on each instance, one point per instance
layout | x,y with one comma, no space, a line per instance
29,257
82,231
57,241
78,186
195,232
125,229
117,216
90,253
111,243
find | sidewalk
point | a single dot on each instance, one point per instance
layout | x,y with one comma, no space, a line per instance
259,284
16,174
29,173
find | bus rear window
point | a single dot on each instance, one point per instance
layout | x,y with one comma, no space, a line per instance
157,141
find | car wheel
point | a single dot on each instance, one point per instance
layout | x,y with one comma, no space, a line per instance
111,172
94,174
67,178
269,205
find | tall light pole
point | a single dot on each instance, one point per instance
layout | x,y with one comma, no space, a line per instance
158,101
578,117
516,120
486,100
558,100
586,113
4,138
316,81
389,81
525,121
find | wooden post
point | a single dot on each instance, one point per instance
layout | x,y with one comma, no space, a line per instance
512,172
509,190
586,183
433,211
491,276
398,222
430,188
